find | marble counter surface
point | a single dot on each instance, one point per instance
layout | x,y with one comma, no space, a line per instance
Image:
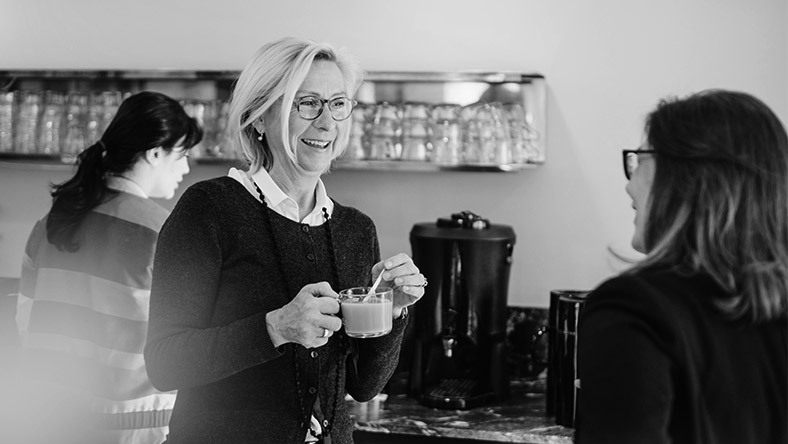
519,419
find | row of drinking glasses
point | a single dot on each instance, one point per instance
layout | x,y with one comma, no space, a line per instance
450,134
53,122
65,123
212,115
57,123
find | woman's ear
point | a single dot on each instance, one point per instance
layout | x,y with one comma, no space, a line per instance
259,126
153,155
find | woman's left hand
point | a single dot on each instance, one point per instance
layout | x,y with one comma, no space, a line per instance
401,274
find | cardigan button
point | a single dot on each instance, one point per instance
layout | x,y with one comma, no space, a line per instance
310,256
313,354
305,228
312,390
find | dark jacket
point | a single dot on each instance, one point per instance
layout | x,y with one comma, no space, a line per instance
215,277
659,363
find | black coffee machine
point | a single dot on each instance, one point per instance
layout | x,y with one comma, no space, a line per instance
458,357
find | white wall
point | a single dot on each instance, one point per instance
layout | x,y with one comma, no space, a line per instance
606,62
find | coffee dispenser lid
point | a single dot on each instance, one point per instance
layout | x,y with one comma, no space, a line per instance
463,226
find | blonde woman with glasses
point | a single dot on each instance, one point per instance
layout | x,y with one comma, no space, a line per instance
690,345
244,301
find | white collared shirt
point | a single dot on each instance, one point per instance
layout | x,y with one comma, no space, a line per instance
277,200
120,183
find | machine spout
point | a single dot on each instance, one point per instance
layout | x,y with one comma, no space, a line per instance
448,346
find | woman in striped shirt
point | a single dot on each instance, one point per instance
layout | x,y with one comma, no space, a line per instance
83,302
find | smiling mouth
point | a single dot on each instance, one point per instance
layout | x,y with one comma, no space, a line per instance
315,143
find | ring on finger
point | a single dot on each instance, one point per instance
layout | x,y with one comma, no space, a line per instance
326,333
423,284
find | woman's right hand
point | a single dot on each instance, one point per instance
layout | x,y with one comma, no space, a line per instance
309,319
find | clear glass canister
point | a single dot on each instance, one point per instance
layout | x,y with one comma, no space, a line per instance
110,102
27,121
7,108
384,141
75,139
358,145
446,133
224,147
102,106
49,129
93,118
522,135
210,139
485,135
416,144
196,109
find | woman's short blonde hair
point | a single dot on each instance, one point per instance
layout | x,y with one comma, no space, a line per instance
275,72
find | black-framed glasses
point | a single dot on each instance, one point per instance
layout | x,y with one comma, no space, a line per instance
310,107
631,160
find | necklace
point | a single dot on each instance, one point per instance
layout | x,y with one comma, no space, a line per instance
328,422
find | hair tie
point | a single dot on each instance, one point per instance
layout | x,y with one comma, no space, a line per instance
103,147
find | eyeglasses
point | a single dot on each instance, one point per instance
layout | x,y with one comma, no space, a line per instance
310,108
631,160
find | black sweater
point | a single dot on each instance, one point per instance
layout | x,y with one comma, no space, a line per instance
215,277
658,363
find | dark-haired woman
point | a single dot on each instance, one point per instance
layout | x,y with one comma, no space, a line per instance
243,305
84,295
691,344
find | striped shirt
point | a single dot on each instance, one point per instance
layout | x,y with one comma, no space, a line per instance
83,318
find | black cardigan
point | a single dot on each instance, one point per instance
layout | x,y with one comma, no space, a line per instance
215,277
658,363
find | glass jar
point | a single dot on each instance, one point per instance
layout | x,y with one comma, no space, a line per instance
49,129
196,109
384,141
523,135
7,108
110,102
485,135
416,143
210,143
222,139
75,139
446,133
358,148
27,122
93,118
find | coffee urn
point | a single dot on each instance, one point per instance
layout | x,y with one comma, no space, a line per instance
459,326
562,378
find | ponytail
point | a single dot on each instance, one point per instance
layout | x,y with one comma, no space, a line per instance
73,199
144,121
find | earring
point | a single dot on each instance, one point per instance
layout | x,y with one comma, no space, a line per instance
260,137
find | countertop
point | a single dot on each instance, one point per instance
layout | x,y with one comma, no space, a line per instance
519,419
